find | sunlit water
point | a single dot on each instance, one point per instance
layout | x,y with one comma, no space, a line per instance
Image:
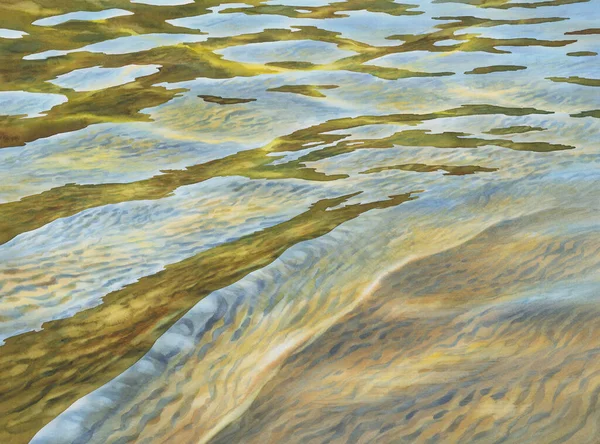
299,221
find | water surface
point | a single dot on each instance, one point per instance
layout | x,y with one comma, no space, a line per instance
299,221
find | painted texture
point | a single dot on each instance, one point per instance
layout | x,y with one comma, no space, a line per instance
299,221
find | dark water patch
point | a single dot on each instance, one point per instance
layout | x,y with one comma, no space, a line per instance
395,73
451,170
298,139
466,21
576,80
423,138
441,401
440,415
491,45
498,395
591,113
467,399
224,100
305,90
590,31
509,4
517,129
301,66
495,68
582,54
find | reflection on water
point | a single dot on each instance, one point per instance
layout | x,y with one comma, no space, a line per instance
299,221
11,34
81,15
91,79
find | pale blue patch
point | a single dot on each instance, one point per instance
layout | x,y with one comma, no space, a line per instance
448,42
83,16
92,79
228,6
11,33
125,45
455,61
225,25
15,103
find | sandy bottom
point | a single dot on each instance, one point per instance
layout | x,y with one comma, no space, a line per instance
493,341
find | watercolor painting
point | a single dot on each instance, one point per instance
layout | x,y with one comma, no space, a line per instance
299,221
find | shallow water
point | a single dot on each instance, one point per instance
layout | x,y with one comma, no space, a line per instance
299,221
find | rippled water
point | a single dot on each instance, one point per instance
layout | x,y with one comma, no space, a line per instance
299,221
